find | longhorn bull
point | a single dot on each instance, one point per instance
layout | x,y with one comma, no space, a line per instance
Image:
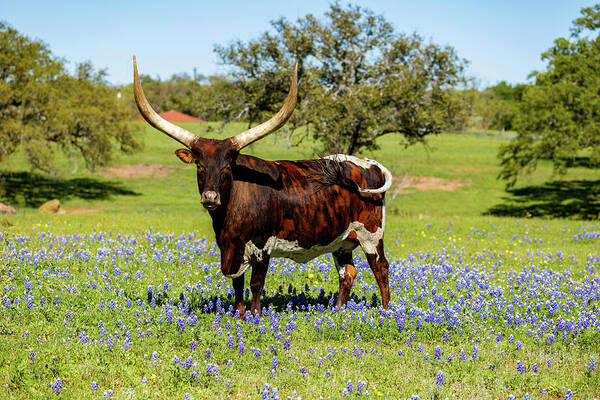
294,209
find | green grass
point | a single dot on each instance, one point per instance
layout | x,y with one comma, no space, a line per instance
171,204
481,223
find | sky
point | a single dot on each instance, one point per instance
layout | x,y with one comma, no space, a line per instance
502,40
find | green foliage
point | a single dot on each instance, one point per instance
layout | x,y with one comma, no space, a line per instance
495,107
211,98
360,79
560,115
41,105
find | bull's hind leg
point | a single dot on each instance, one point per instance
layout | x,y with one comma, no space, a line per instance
347,273
257,282
380,267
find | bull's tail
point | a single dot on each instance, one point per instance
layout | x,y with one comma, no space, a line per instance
366,164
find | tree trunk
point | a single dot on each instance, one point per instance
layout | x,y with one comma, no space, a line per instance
353,146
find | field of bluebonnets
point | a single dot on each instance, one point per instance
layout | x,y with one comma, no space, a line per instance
129,301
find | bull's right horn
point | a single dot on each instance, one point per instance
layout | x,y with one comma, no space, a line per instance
181,135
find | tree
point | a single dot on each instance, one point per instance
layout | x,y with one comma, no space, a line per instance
41,104
360,79
494,107
560,114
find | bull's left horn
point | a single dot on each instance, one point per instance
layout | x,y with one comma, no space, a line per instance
243,139
181,135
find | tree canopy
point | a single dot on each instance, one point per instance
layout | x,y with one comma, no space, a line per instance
560,114
359,78
41,104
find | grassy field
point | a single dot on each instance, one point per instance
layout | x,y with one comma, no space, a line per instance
494,293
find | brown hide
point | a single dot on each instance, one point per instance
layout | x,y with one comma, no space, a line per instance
283,199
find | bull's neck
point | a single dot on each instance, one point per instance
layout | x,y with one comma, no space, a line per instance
218,219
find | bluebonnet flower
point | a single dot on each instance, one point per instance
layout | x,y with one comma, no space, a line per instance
94,386
520,367
349,386
360,386
475,353
57,385
32,355
438,353
439,379
592,364
569,395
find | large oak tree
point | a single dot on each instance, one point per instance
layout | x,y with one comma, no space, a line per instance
43,108
560,114
359,78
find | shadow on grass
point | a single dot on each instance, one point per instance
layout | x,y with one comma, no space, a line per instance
278,302
31,189
575,199
582,162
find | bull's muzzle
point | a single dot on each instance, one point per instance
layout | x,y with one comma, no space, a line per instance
211,200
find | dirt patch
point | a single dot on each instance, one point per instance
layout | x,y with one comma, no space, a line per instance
136,171
404,184
82,210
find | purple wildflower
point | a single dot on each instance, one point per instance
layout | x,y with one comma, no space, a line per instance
439,379
57,385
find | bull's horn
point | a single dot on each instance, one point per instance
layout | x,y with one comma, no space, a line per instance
181,135
243,139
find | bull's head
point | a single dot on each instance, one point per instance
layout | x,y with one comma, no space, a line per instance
215,159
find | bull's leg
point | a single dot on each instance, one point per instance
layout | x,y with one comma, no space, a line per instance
380,266
257,282
238,287
347,273
231,262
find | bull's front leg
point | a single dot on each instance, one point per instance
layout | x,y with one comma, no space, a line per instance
257,282
231,262
238,287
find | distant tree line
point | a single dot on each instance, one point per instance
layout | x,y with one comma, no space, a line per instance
492,108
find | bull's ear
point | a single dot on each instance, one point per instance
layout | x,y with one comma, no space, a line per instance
185,155
254,169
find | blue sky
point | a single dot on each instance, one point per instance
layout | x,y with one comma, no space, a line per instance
502,40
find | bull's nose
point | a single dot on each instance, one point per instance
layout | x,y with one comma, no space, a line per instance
210,199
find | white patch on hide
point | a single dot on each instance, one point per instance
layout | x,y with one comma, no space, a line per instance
276,247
